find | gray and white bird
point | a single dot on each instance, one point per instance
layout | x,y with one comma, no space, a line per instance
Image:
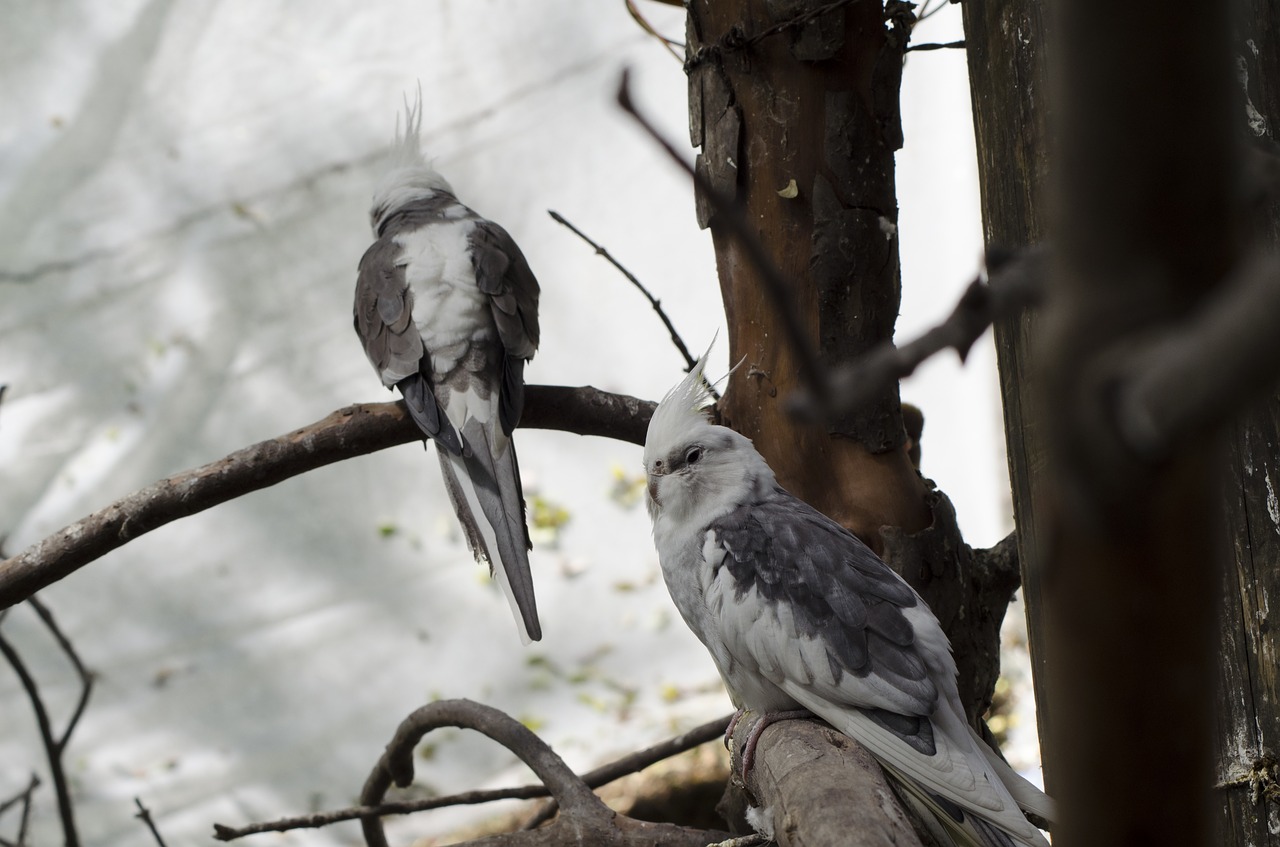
798,613
447,309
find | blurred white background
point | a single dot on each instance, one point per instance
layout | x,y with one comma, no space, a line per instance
183,200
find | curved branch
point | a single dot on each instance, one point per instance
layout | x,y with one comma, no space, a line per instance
396,763
629,764
585,819
344,434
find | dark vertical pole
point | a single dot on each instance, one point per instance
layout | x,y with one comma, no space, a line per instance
1005,43
1144,230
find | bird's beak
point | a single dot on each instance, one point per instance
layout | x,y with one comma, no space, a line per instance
653,489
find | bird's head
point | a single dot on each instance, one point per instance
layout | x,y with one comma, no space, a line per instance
408,176
694,468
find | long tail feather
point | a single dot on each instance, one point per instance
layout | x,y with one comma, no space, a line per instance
489,502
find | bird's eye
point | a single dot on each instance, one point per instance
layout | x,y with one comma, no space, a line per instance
693,455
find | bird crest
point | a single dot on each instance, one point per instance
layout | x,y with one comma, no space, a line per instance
408,176
684,408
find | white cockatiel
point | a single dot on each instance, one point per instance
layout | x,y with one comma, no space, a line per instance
798,613
447,310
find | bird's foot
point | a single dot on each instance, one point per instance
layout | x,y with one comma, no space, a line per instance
733,724
765,720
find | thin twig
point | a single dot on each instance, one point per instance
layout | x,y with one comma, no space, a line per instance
23,797
1015,284
933,45
603,775
145,814
603,252
638,761
812,373
86,676
344,434
648,27
51,746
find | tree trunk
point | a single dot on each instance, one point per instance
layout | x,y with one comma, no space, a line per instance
798,122
813,109
1006,45
1246,804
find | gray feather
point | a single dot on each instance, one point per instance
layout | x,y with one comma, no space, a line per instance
836,589
495,480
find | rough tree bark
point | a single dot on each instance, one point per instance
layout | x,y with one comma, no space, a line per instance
1007,60
1005,46
811,112
1246,806
795,107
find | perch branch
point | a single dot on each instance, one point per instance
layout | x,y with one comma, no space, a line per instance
344,434
594,779
776,287
843,797
689,360
1015,284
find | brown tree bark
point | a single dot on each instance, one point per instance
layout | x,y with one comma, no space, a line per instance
800,128
795,106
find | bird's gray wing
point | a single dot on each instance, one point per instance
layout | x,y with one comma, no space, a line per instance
383,318
503,274
842,611
832,626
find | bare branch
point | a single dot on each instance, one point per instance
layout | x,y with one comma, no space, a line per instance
644,24
776,287
594,779
585,820
638,761
689,360
1187,380
145,814
23,797
86,676
344,434
1014,285
53,747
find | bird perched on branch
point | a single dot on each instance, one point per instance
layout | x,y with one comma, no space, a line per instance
798,613
447,310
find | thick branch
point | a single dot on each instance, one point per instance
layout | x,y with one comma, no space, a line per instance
345,434
822,788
